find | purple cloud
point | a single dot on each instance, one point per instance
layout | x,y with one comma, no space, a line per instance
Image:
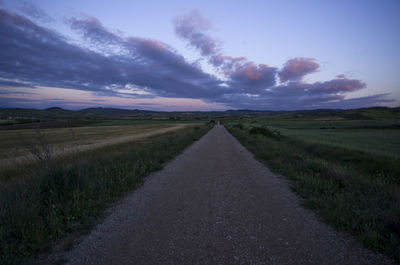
34,54
226,63
190,26
91,29
114,65
337,86
254,85
243,75
252,78
299,95
296,68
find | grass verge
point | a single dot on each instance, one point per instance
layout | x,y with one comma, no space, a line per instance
350,190
47,203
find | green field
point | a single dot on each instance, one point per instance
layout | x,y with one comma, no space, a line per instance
369,136
7,122
324,124
374,142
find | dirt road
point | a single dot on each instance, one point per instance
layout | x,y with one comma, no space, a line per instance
215,204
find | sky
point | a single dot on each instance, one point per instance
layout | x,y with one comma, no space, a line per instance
200,55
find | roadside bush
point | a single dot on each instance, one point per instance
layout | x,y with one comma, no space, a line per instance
239,126
264,131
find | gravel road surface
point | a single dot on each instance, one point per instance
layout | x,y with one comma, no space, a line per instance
215,204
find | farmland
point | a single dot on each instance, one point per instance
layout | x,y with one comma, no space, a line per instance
373,142
16,144
343,164
376,137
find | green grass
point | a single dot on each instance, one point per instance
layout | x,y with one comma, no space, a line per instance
7,122
352,190
380,113
374,142
43,203
318,124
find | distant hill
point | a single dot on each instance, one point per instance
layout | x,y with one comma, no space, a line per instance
55,113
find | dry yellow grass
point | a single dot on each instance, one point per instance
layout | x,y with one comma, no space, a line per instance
14,144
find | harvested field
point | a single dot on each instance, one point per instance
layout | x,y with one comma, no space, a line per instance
15,145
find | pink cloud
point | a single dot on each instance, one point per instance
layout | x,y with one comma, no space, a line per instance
338,85
296,68
251,77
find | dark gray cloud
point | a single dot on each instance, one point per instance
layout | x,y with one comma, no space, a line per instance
39,56
13,92
114,65
34,54
282,101
13,83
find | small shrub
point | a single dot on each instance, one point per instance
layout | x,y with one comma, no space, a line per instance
264,131
239,126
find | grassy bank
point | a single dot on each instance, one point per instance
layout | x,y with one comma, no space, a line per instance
354,191
55,198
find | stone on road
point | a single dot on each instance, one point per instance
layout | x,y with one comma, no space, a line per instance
215,204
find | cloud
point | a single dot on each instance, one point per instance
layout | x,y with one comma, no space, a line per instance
252,78
13,83
39,56
251,85
92,30
353,103
158,66
338,85
226,63
190,26
295,69
242,74
35,12
109,64
299,95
